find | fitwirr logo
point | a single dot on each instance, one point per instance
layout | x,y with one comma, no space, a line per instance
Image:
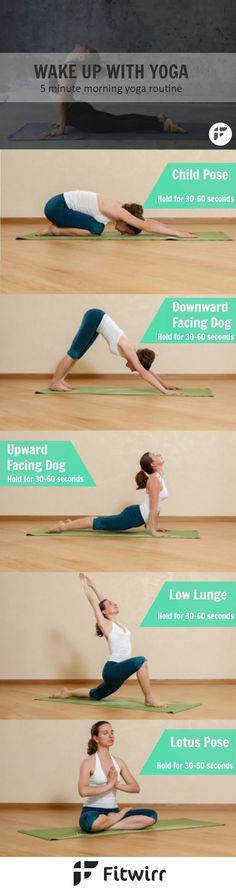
220,133
83,870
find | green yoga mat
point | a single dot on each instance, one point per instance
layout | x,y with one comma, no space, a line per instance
171,709
115,236
123,391
160,826
173,533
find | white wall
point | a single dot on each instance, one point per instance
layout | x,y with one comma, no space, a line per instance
41,760
30,177
199,469
37,331
62,642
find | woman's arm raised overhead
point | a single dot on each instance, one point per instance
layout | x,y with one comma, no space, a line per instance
88,582
104,624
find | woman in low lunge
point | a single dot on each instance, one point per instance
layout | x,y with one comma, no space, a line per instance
121,665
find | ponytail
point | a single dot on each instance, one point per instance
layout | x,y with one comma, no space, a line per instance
146,471
91,747
141,479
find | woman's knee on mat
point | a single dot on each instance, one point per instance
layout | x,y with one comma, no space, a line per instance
87,820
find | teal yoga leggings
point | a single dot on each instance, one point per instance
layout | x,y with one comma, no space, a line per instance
127,519
87,333
90,814
114,674
57,212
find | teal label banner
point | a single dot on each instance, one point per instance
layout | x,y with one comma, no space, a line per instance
193,752
42,463
193,320
193,605
185,185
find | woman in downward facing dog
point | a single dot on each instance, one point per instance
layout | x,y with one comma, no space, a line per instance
120,665
101,776
87,213
93,323
149,478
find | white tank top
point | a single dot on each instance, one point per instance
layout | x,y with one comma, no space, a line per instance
119,643
145,507
98,778
86,202
111,333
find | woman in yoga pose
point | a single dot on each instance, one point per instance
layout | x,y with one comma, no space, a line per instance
83,116
87,213
149,478
101,777
95,322
121,665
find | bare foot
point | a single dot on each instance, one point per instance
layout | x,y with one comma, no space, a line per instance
59,386
48,230
116,818
61,695
155,703
69,387
170,126
60,527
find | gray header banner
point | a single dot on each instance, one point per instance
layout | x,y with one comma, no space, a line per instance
117,77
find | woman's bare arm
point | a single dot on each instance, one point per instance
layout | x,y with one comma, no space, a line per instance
154,488
130,783
86,580
104,624
60,129
114,210
85,790
153,379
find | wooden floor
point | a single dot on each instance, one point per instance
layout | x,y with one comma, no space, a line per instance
216,841
215,549
20,408
17,701
103,267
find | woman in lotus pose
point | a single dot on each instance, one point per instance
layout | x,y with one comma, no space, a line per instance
101,777
149,478
121,665
95,322
87,213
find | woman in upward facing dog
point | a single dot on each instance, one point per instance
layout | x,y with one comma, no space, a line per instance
83,116
120,665
95,322
101,776
149,478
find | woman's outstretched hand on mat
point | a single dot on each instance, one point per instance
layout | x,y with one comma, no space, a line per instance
157,533
48,134
173,391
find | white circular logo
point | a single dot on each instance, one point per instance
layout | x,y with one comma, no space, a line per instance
220,133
